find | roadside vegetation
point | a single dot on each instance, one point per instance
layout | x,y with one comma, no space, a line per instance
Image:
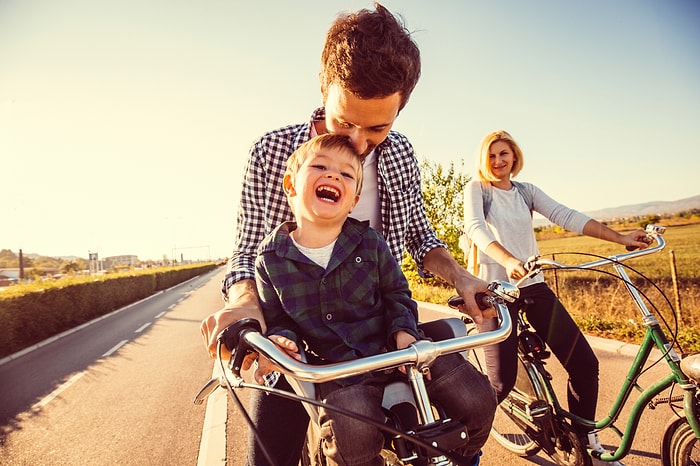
599,303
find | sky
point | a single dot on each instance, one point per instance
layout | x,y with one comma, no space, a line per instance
124,126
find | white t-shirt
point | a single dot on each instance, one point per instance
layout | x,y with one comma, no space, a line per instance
368,206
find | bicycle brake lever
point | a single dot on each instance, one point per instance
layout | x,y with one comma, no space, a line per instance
206,390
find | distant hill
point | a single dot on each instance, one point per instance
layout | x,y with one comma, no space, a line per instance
647,208
635,210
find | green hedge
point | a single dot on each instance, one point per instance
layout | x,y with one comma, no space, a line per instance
38,314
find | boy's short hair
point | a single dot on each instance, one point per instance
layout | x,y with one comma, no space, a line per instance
370,54
484,167
319,143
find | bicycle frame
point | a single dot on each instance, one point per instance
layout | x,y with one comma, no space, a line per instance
654,338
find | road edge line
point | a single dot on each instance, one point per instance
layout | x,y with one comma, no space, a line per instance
212,447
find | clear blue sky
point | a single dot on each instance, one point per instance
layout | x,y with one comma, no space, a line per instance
124,125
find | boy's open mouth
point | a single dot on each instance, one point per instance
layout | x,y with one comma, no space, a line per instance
328,193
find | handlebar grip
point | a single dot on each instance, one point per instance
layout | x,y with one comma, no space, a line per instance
648,239
456,301
231,337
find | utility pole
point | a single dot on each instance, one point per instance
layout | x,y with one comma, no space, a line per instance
21,266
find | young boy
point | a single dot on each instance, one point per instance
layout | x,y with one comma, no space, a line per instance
330,282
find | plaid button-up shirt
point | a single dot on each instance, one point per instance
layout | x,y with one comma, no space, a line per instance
263,204
348,310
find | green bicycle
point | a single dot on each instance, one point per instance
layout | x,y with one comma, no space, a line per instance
531,418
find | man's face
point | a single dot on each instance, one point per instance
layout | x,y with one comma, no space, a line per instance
365,121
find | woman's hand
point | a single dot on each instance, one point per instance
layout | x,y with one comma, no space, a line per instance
636,239
515,268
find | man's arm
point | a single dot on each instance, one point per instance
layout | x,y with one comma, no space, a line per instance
440,262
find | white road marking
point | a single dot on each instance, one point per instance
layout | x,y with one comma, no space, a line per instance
212,447
160,315
115,348
142,328
47,399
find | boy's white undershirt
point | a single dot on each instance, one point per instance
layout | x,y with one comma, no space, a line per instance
321,255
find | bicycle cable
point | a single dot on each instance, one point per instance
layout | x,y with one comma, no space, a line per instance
241,408
673,332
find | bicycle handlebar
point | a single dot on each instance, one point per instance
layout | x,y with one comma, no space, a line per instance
421,353
654,233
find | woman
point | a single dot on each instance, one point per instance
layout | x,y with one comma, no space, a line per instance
498,225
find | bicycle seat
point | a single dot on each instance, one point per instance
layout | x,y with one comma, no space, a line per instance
690,365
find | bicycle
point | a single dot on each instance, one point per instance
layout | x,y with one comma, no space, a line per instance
531,418
406,402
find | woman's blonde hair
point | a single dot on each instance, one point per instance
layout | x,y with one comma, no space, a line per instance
484,167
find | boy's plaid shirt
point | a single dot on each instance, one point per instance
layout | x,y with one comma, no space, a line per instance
348,310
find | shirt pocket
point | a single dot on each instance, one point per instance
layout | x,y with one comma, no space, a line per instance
359,280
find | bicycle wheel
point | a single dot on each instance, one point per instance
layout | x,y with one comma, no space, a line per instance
679,446
509,429
567,449
312,453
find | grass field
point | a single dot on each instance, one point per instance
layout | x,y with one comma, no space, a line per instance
602,306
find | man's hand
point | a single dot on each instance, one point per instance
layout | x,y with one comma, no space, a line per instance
243,302
440,262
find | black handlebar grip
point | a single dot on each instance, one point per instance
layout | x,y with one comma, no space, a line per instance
481,301
231,337
456,301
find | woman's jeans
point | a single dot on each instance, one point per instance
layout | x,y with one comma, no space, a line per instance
555,326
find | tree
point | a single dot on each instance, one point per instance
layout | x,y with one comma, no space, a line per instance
8,259
443,194
70,267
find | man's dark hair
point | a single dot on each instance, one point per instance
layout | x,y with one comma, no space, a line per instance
370,54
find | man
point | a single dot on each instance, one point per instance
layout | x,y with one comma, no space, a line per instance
369,68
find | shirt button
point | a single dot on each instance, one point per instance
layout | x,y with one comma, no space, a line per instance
358,259
329,316
323,281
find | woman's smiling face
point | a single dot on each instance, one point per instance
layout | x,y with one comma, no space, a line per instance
501,160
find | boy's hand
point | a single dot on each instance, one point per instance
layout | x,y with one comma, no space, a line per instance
403,340
265,366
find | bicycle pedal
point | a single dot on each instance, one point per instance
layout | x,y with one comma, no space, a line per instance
597,449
